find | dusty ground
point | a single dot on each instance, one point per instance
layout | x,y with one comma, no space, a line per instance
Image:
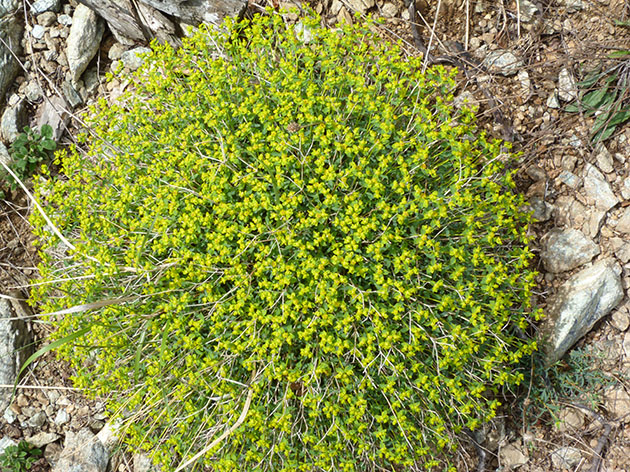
576,35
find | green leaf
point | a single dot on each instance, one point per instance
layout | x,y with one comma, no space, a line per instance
47,131
622,23
620,53
620,117
591,78
573,108
49,144
595,98
604,134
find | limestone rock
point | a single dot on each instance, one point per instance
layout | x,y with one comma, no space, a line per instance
567,86
623,224
597,190
564,250
362,6
12,122
15,341
54,112
580,302
82,452
132,59
11,37
512,456
502,62
617,402
570,419
42,438
6,442
621,248
566,458
604,159
40,6
527,10
83,41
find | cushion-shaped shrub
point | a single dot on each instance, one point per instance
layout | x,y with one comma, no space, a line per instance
293,242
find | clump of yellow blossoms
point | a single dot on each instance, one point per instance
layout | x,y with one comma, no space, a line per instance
302,244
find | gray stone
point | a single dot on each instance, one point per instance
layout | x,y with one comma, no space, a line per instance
6,442
71,95
597,190
552,100
5,157
389,10
40,6
10,36
580,302
623,224
61,418
38,32
567,86
466,98
573,5
52,452
83,41
621,248
33,91
541,210
527,10
37,420
41,439
9,6
53,112
362,6
625,188
566,457
525,84
65,20
15,347
116,51
82,452
593,222
142,463
512,456
620,319
617,402
604,159
47,18
569,419
566,249
132,59
502,62
568,178
12,122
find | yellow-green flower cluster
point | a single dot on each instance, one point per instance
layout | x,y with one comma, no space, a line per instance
307,224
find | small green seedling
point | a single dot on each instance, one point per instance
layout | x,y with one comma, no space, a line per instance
19,458
28,151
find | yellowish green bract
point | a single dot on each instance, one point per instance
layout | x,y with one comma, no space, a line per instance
313,222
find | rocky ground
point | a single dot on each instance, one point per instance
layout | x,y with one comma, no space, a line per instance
523,64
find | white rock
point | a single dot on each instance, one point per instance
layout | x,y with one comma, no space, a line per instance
9,6
568,178
65,20
13,121
41,439
567,86
597,190
623,224
573,5
593,222
502,61
116,51
9,416
620,320
564,250
625,188
566,457
37,420
511,456
580,302
617,402
361,6
40,6
62,417
552,100
466,98
569,419
53,112
83,41
525,84
389,10
109,435
621,248
132,59
82,452
142,463
604,159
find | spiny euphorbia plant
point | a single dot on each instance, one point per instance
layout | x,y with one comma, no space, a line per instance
313,261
